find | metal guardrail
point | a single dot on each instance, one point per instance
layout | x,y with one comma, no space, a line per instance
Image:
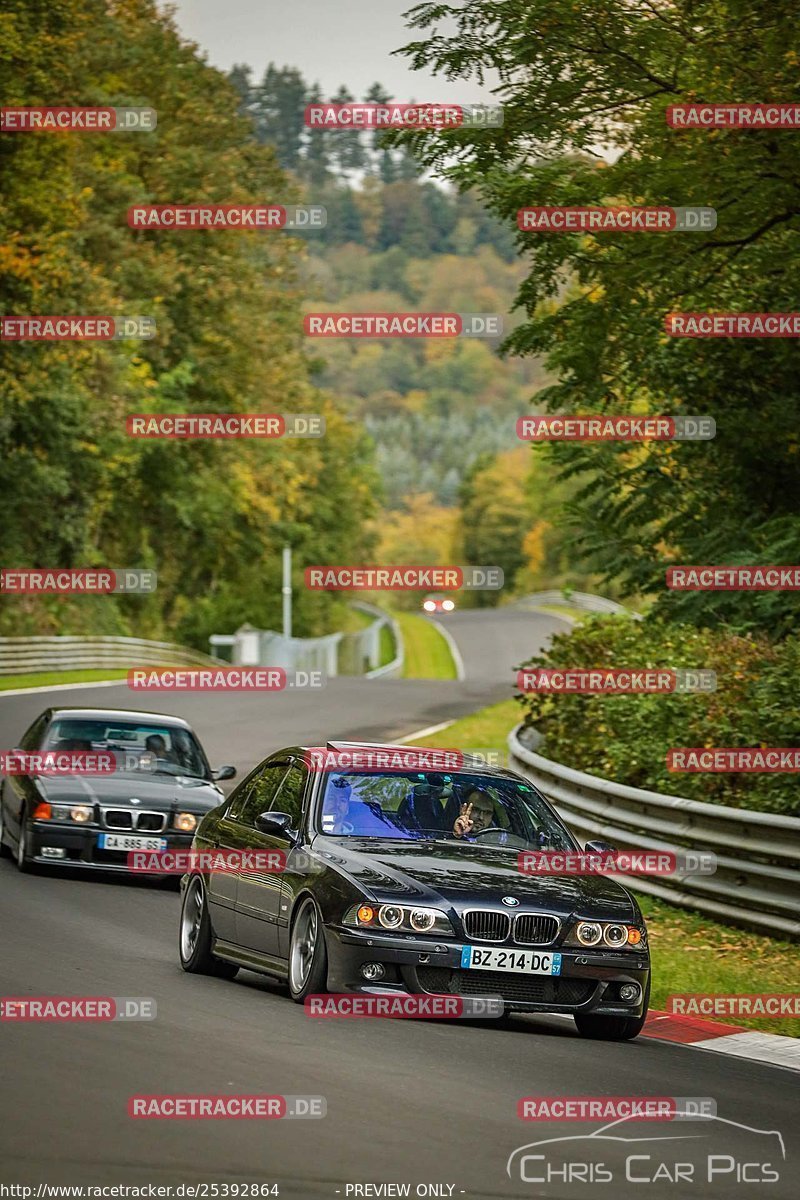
28,655
757,881
393,669
581,600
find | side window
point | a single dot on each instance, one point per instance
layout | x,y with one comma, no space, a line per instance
259,796
33,736
290,798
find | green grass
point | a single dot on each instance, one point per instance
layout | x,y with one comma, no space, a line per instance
690,952
387,647
427,654
51,678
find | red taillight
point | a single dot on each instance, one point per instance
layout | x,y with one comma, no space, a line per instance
43,812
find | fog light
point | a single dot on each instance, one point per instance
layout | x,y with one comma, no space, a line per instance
53,852
629,992
373,971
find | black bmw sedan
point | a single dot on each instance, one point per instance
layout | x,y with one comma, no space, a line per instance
406,881
155,788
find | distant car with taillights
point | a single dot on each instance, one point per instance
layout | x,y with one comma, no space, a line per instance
156,792
404,881
438,604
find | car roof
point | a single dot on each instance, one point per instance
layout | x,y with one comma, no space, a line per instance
120,714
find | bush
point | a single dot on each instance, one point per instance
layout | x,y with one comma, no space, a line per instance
626,737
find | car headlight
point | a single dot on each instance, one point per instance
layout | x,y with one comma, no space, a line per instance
186,822
80,813
607,933
399,918
448,605
429,606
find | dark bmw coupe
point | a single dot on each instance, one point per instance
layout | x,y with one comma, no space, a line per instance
153,799
408,881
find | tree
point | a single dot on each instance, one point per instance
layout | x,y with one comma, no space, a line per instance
577,76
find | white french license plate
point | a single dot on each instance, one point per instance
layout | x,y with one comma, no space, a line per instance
126,841
532,962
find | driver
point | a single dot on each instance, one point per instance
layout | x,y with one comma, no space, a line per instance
155,744
477,814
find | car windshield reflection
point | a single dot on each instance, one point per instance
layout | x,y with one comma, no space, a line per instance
461,809
137,746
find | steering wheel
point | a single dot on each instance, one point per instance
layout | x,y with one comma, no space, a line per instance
502,837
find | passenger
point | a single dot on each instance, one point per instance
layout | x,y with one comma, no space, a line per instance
477,814
338,806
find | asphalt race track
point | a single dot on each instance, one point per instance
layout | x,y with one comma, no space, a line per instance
430,1103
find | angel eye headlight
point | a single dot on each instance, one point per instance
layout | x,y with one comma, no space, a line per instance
422,919
390,916
589,933
615,935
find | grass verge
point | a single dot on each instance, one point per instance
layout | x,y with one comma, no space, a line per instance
427,654
52,678
690,953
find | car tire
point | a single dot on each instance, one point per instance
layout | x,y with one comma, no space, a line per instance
308,953
196,935
612,1029
24,863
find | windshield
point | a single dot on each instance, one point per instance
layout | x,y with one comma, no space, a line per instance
427,806
148,746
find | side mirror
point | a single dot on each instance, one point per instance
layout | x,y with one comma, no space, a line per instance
276,824
223,773
599,847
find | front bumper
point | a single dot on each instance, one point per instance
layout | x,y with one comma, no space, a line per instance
82,852
589,981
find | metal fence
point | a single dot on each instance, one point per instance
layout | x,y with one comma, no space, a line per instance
28,655
356,653
757,881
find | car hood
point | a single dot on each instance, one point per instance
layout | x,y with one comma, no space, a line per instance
160,792
469,875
